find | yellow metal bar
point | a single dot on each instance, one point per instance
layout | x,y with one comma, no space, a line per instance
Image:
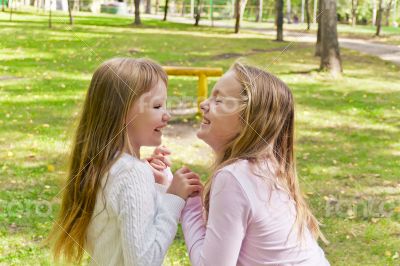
193,71
201,72
202,90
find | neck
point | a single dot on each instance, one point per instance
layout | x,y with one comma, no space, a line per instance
133,150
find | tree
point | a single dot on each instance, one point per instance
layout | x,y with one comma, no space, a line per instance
11,9
137,13
148,7
394,23
260,11
318,18
166,10
354,6
373,12
279,20
50,14
237,12
71,21
198,13
379,19
289,11
330,53
389,6
307,6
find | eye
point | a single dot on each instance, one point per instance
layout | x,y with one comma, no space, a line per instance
218,100
158,106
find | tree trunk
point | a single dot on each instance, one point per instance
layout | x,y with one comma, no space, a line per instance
165,10
2,5
373,12
354,5
302,11
388,8
183,8
11,8
242,8
394,23
279,20
307,6
289,11
198,13
137,13
315,11
148,7
330,53
71,20
237,12
50,15
260,11
379,19
318,47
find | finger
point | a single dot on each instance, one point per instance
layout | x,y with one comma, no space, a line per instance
159,162
195,188
194,194
162,158
162,150
157,167
183,170
194,181
192,175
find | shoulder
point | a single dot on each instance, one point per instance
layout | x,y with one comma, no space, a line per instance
229,178
254,183
128,172
237,171
128,180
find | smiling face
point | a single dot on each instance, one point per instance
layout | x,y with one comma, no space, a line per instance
147,117
221,121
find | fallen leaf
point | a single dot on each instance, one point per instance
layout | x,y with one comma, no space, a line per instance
51,168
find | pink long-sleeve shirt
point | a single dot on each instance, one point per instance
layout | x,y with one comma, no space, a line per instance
250,222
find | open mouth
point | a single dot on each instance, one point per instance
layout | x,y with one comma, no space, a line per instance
205,121
159,129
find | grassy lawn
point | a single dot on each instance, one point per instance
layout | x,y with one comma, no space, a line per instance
348,130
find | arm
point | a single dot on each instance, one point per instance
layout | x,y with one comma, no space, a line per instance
227,222
148,227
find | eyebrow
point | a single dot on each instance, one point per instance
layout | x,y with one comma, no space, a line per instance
216,92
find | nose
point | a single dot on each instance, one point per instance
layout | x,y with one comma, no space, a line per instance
204,106
166,116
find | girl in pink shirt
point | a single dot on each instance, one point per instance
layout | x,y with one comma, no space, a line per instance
252,212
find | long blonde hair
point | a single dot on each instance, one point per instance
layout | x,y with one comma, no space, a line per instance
101,134
267,114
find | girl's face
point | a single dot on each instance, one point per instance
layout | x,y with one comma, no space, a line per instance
221,120
147,117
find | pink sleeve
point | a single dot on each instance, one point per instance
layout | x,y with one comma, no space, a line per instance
221,241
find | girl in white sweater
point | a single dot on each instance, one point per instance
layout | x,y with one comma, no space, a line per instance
112,208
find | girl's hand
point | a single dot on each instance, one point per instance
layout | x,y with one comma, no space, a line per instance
185,183
161,154
159,164
158,172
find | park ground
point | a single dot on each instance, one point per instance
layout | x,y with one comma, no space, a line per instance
347,129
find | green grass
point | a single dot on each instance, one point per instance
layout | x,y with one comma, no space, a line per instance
348,130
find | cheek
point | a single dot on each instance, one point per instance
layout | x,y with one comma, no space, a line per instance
225,126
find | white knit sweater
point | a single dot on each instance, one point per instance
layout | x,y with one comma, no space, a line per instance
134,220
